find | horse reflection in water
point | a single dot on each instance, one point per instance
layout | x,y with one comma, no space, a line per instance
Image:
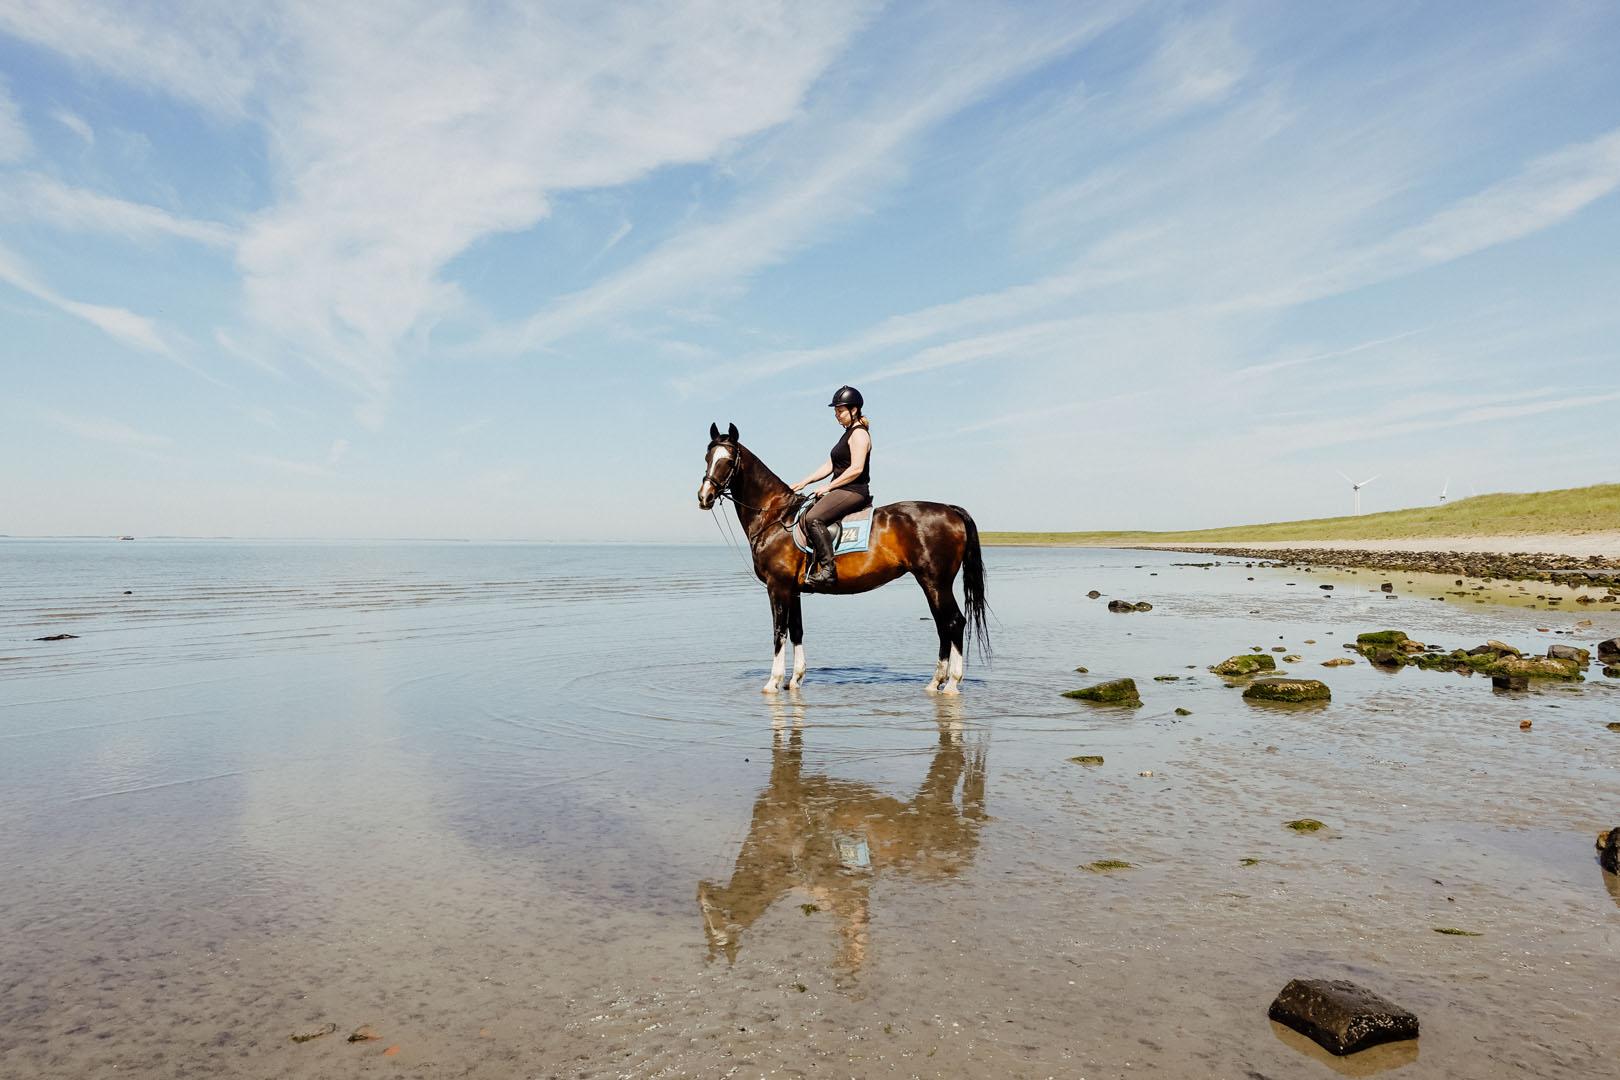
830,839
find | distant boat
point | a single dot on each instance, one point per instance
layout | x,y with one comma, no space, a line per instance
126,538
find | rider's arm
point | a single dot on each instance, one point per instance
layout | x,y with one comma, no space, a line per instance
860,444
821,473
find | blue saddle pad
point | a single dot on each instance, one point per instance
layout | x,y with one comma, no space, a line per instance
852,532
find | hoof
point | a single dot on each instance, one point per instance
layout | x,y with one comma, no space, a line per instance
951,688
770,688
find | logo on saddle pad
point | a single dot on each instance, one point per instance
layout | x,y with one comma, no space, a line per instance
852,532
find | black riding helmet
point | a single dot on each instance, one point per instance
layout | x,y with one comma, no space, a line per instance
847,395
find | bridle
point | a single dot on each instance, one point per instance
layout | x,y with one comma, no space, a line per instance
724,492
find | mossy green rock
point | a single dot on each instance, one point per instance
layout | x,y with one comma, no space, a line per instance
1103,866
1612,671
1535,667
1245,664
1381,637
1114,692
1088,759
1288,690
1305,824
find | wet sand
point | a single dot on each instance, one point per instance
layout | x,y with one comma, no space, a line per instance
1570,545
525,812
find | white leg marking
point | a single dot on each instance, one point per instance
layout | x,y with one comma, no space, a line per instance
939,677
798,667
778,665
954,672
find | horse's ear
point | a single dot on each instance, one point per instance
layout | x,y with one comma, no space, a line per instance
731,432
714,432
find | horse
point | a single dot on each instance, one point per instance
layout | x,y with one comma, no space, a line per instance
831,839
930,541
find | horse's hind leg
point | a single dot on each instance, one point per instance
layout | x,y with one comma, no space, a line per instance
796,636
950,624
779,633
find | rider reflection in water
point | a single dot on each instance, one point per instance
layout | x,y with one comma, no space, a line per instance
850,466
828,839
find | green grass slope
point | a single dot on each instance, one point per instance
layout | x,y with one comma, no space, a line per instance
1572,510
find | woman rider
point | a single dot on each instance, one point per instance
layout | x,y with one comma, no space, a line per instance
850,466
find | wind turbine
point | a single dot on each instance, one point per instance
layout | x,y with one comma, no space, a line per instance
1355,488
1444,488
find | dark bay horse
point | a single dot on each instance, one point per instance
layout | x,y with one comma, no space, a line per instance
930,541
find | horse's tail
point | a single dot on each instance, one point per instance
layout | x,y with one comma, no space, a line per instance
978,629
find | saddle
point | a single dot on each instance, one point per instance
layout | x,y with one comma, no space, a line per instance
852,532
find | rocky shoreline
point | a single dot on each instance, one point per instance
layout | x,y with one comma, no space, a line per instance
1519,566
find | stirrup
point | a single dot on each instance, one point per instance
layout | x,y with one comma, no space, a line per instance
823,573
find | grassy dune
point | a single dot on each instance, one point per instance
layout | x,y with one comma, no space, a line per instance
1572,510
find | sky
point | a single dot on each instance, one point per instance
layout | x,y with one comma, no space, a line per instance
489,271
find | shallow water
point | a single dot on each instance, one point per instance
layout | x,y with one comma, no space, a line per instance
523,809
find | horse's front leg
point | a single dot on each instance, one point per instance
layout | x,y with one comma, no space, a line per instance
779,633
796,636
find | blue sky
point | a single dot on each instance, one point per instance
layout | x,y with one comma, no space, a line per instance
412,270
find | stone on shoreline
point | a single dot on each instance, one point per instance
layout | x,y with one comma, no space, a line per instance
1121,606
1536,667
1245,664
1612,671
57,637
1093,594
1569,652
1338,661
1289,690
1341,1016
1381,637
1113,692
1304,824
1509,682
1609,651
1088,759
312,1033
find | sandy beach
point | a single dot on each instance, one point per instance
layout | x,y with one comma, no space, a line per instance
1571,545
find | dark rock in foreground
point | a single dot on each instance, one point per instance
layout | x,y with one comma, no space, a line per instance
1341,1016
1510,682
1612,671
1609,651
1290,690
1115,692
57,637
1126,605
1609,850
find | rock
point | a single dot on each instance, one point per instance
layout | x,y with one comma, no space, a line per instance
1338,661
1279,648
1114,692
1142,605
1121,606
1388,586
1386,658
1509,682
1341,1016
312,1033
1609,651
1088,759
1609,850
364,1033
1292,658
1245,664
1083,670
1305,824
1613,725
1188,712
1524,725
1093,594
1612,671
1103,866
1290,690
1381,637
57,637
1569,652
1167,678
1326,588
1536,667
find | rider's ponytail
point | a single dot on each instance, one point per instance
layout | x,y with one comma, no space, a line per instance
860,421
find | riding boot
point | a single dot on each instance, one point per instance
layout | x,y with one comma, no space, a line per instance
823,572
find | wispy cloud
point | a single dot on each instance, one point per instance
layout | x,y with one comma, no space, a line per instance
831,168
197,51
38,198
415,133
124,325
99,429
76,124
14,141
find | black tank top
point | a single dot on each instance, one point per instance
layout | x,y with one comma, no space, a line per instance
840,461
